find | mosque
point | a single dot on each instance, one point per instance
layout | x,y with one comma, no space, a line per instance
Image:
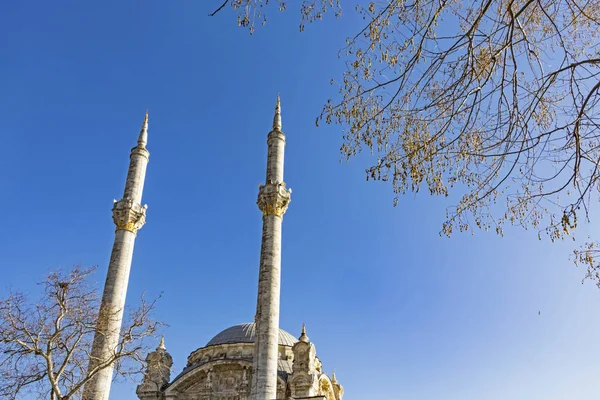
250,361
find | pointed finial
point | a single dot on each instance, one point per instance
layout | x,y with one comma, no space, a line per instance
277,117
333,379
143,139
303,337
161,345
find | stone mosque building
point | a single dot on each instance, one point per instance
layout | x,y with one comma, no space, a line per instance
250,361
222,370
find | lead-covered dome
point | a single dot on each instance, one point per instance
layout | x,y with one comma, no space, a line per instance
246,333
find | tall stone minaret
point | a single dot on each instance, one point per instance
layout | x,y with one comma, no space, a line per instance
273,200
129,216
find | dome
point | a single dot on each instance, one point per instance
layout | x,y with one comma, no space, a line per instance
245,333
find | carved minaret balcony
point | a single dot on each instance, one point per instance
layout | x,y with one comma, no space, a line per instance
274,198
128,215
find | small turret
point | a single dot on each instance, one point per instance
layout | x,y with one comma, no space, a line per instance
158,373
304,381
338,389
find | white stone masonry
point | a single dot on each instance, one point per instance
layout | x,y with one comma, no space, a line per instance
273,200
129,216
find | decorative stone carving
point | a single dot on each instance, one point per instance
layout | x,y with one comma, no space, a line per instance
325,388
208,383
157,375
274,198
304,381
244,376
128,215
338,389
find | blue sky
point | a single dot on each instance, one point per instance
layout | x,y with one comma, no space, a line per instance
398,311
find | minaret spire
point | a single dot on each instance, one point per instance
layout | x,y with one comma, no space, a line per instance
143,138
129,216
277,117
273,200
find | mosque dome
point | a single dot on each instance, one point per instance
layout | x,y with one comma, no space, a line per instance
246,333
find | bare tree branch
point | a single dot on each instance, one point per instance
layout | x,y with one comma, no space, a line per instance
212,14
45,345
493,103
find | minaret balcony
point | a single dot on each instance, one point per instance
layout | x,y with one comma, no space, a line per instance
128,215
274,198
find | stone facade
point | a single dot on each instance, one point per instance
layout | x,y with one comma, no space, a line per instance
222,370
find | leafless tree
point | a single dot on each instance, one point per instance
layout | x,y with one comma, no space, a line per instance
45,345
494,103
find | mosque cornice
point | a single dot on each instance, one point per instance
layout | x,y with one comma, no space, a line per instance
228,350
194,369
194,373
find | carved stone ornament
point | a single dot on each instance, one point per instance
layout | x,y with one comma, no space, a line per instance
157,374
128,215
273,198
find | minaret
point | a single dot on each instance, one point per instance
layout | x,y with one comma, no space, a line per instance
129,216
273,200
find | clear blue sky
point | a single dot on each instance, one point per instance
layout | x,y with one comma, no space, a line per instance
396,310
